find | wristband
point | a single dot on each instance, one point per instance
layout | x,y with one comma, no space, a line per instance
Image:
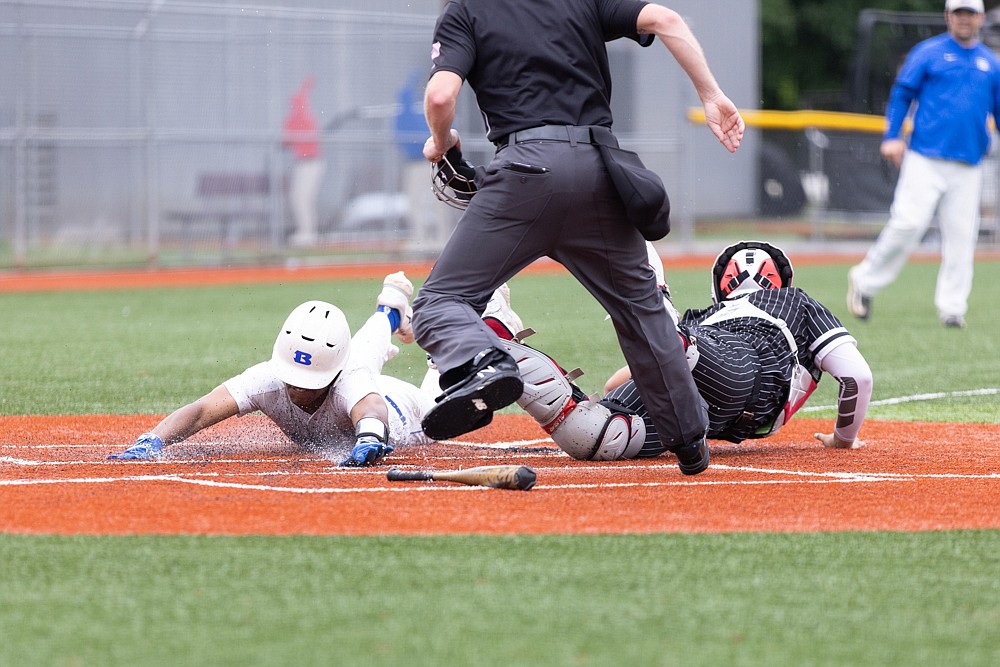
373,427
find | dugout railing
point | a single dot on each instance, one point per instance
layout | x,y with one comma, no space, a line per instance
827,174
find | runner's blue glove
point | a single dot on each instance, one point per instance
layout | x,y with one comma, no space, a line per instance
368,450
147,447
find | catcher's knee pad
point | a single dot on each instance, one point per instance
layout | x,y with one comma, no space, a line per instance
591,431
548,394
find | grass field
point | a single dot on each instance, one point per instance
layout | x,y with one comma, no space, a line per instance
754,599
736,599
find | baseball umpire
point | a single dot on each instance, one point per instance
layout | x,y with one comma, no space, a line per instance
540,72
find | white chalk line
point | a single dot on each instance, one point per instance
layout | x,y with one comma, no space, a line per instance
199,461
989,391
514,444
418,488
198,478
227,485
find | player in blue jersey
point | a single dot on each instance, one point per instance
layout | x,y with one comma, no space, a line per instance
951,82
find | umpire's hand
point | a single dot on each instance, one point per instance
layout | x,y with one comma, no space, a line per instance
433,152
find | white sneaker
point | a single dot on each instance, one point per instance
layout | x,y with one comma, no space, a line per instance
396,293
858,304
499,309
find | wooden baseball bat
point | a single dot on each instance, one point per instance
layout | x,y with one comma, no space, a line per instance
520,478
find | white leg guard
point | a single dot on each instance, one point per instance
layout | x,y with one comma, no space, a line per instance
593,432
585,430
547,396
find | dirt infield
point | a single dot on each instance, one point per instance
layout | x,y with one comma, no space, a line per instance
47,281
243,477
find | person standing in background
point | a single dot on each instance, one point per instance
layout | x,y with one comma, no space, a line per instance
954,82
301,137
429,224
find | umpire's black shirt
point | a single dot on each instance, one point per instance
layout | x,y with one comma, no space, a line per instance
539,69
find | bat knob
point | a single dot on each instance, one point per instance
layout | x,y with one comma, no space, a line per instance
524,478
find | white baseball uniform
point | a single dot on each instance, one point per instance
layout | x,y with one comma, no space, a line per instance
258,388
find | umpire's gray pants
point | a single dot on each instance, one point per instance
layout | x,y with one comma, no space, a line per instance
573,215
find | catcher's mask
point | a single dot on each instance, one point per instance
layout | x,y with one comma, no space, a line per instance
453,179
749,266
312,347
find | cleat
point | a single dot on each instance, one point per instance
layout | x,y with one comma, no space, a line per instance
694,458
953,322
396,293
465,406
499,312
858,304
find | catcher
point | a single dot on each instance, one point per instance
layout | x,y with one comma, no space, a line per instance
756,356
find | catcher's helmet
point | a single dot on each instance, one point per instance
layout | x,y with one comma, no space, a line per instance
749,266
453,179
312,347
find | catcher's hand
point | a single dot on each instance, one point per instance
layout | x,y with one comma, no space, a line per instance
147,447
833,442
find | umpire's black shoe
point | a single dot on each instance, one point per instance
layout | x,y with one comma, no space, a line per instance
693,458
489,382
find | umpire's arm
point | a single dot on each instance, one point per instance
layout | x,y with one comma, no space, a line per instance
440,102
721,115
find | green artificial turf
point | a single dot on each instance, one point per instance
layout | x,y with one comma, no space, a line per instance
737,599
930,598
151,350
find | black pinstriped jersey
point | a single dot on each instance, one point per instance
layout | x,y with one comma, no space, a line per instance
745,364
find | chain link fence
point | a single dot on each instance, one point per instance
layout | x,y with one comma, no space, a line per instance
151,133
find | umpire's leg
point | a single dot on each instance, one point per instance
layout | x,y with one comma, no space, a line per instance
609,258
492,242
652,349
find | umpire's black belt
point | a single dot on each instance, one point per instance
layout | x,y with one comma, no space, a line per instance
571,134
